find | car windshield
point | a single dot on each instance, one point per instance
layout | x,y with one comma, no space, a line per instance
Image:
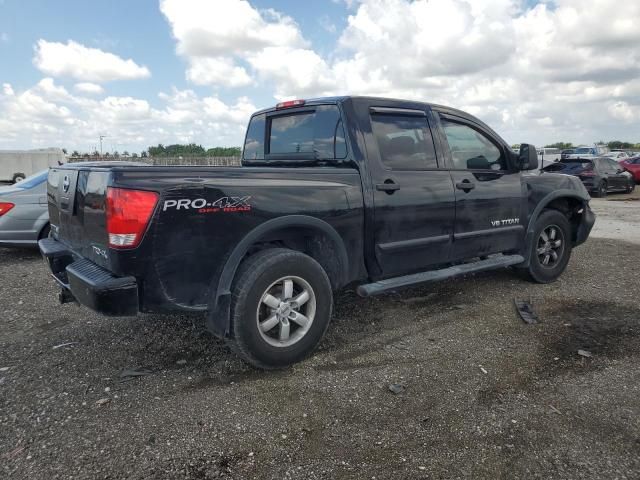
583,150
33,180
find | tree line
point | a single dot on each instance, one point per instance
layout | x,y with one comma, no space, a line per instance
614,144
177,150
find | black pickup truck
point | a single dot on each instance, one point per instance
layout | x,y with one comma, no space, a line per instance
379,193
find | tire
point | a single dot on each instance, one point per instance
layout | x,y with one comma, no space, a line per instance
541,249
260,296
18,177
632,185
601,192
44,233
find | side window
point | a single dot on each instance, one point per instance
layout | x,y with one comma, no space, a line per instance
404,141
470,149
254,143
318,132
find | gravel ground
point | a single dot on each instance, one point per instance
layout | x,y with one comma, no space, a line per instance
482,394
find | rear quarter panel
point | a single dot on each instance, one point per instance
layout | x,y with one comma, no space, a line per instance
204,214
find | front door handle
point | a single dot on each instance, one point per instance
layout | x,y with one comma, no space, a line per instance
465,185
388,186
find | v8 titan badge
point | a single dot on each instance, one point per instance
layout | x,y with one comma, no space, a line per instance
202,205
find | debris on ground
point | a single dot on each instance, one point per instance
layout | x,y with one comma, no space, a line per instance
129,373
181,362
526,312
585,353
64,345
483,370
102,401
555,410
396,388
4,369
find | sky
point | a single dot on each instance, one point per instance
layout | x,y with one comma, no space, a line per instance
180,71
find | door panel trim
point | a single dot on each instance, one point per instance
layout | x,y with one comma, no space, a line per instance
488,232
393,247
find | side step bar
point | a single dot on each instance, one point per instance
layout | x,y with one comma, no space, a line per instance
396,283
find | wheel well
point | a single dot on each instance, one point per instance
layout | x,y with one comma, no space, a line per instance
310,241
572,208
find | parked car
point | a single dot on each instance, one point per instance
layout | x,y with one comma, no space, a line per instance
632,165
566,152
599,175
585,151
383,194
616,155
24,217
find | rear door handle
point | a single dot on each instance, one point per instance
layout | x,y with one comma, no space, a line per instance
465,185
388,186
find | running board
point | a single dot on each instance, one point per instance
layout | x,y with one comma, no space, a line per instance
383,286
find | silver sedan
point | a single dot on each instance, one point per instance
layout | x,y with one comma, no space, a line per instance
24,217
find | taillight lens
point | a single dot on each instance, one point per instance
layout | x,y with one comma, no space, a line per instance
5,207
128,214
587,173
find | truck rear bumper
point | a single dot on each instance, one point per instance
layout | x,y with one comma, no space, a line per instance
89,284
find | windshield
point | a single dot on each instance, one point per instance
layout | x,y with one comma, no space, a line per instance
583,150
33,180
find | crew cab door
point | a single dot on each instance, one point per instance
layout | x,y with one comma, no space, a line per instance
413,196
488,191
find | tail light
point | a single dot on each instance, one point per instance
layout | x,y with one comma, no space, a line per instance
128,215
5,207
587,173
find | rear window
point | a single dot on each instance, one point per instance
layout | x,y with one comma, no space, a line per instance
254,143
316,133
33,180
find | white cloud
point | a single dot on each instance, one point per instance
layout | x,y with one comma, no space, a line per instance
217,71
88,87
4,37
84,63
48,115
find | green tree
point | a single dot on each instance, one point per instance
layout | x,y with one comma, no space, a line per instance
75,153
224,152
560,145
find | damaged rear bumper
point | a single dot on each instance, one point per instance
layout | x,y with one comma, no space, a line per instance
89,284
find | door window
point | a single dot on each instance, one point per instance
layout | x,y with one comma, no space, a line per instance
404,141
470,149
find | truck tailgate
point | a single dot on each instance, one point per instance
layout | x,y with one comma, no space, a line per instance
77,199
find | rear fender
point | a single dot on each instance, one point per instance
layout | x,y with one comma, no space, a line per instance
220,303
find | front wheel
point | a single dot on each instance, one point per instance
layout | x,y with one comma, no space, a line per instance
281,307
551,247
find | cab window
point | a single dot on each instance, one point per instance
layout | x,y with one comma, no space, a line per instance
404,141
470,149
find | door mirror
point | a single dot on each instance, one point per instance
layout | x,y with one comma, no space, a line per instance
528,157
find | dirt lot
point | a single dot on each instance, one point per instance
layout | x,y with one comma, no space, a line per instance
485,395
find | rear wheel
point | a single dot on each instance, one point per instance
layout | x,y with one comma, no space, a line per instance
551,247
44,233
601,191
18,177
281,307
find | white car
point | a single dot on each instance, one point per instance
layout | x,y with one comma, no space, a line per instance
617,156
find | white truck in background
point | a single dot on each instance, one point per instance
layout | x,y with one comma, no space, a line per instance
16,165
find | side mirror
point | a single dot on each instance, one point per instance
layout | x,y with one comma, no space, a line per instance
528,157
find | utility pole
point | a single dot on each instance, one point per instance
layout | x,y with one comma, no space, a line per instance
101,137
